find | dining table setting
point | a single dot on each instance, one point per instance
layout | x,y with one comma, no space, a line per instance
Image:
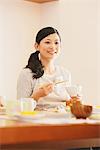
50,123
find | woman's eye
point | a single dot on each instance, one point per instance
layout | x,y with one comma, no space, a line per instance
56,43
47,42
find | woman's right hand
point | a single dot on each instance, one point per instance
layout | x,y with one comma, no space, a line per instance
43,91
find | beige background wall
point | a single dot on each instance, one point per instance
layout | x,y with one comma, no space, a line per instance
19,21
77,21
98,48
79,24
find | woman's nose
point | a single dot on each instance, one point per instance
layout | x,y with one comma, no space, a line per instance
52,46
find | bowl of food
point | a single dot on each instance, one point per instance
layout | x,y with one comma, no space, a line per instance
81,111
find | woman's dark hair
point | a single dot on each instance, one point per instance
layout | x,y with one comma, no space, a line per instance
45,32
34,63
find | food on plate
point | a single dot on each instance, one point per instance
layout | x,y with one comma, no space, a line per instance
51,107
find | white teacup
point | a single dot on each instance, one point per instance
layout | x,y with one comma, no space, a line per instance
27,104
74,90
12,106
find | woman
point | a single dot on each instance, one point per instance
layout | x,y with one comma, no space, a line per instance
39,78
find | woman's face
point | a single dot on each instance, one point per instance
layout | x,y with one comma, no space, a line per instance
49,46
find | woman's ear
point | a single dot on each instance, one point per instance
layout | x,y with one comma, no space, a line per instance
36,46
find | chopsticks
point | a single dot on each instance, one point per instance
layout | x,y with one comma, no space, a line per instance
59,82
55,83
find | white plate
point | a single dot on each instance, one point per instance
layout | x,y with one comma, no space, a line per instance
58,115
28,116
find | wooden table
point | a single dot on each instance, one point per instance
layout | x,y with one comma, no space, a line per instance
17,132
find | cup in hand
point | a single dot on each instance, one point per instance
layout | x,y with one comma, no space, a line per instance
27,104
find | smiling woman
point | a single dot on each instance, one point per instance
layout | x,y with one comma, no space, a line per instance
37,80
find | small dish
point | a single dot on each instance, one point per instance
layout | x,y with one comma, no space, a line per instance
81,111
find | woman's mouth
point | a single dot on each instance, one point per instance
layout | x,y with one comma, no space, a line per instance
52,52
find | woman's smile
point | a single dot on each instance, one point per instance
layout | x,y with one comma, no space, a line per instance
51,52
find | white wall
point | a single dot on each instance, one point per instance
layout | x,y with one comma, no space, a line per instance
79,24
19,21
98,46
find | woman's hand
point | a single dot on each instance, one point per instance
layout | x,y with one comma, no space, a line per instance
43,91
